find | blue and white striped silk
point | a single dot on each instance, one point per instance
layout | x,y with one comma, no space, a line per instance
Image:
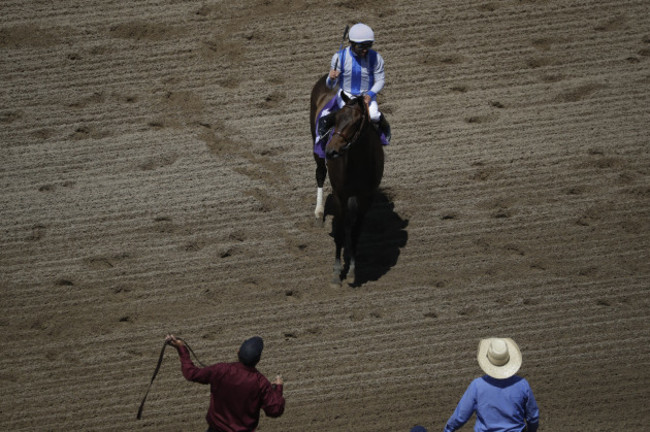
359,75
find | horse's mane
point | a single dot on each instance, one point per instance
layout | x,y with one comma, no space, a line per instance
358,100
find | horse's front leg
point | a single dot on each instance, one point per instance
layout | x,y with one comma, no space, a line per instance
319,212
321,174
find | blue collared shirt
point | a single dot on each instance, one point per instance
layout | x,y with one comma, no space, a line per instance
503,405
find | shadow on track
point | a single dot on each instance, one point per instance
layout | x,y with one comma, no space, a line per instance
383,234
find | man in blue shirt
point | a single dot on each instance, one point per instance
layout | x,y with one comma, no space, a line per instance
502,401
359,71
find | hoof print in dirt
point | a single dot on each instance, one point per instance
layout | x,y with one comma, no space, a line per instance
121,290
603,302
273,100
449,215
468,310
63,282
578,93
192,247
225,253
10,116
38,232
481,118
615,23
103,262
47,188
502,213
290,335
292,294
88,132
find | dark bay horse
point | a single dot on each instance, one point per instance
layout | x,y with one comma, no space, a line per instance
355,162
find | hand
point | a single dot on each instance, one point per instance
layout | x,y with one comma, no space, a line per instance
278,380
367,99
334,74
171,340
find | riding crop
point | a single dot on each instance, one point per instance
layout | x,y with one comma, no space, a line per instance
345,34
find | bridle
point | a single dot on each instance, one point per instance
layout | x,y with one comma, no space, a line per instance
351,140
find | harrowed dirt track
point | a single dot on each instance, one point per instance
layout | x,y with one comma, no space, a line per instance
157,177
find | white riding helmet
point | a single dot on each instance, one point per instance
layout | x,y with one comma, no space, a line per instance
361,33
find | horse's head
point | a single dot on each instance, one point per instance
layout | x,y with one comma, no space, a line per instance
349,121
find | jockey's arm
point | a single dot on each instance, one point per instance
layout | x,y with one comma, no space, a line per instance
380,78
332,78
335,71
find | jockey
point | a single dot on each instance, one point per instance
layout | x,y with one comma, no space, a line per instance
358,70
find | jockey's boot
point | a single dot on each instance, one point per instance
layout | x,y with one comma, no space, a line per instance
383,127
325,123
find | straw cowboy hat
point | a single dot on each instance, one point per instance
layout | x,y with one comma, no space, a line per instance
499,357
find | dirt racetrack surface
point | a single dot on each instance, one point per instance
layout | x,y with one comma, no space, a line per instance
157,177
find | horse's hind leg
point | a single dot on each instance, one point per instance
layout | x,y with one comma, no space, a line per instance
339,239
338,268
321,174
351,233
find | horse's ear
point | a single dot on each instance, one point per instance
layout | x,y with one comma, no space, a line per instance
345,97
359,100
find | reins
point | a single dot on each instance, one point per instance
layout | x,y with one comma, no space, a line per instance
357,134
155,372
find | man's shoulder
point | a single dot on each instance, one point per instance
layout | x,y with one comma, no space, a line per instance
223,365
242,368
238,369
523,382
377,54
345,50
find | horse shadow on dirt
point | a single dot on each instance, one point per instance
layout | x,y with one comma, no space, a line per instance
383,234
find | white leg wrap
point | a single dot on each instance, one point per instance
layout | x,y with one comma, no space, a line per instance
319,203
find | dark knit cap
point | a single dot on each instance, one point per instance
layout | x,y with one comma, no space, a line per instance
418,429
250,351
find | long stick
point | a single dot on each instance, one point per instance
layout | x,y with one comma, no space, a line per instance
155,372
345,34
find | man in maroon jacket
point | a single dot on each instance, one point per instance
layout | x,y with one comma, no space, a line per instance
237,390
